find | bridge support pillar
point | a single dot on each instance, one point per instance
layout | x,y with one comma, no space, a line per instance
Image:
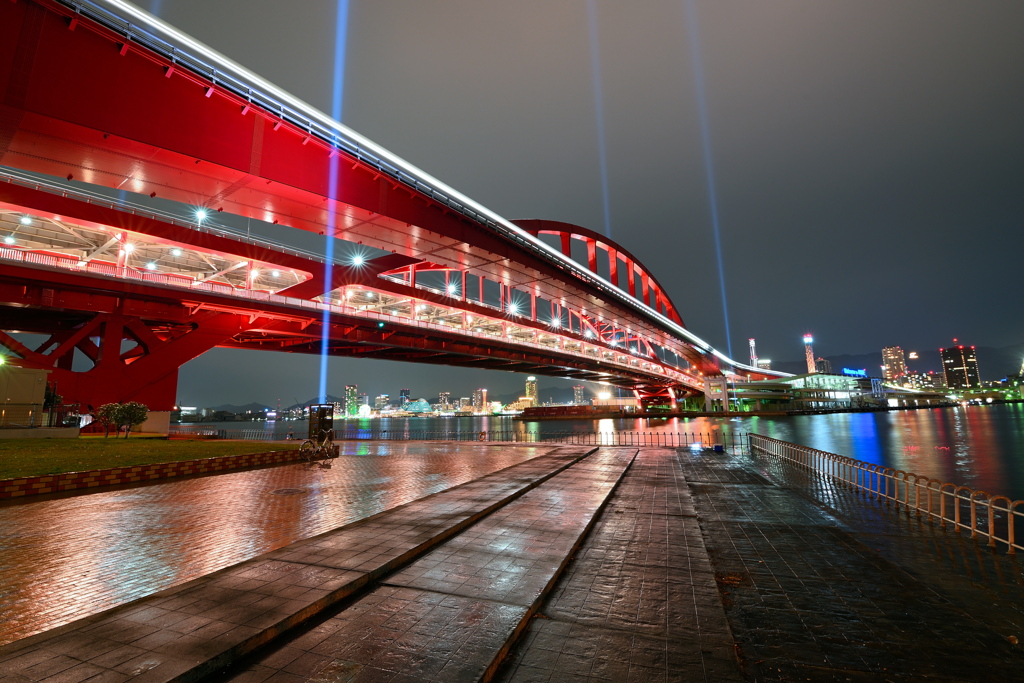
716,394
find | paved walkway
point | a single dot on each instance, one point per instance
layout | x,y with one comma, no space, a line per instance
76,554
573,565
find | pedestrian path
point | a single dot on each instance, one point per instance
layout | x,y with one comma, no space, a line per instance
820,583
192,630
74,555
452,614
639,602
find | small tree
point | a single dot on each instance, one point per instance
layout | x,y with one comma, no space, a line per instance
131,414
107,415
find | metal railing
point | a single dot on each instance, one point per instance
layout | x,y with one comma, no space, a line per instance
33,415
953,506
702,440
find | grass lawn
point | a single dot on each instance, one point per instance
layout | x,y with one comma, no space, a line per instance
33,457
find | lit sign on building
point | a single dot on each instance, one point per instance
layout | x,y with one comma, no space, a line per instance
855,373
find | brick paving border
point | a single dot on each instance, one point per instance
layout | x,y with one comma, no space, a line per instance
71,481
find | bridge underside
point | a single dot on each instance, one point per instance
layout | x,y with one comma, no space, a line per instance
81,102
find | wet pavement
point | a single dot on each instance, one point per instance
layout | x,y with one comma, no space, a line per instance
73,555
570,565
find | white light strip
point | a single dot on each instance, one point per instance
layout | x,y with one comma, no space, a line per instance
222,62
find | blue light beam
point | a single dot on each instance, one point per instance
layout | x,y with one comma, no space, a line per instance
337,106
595,65
709,168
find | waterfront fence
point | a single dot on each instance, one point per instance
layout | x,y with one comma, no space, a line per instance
961,508
702,440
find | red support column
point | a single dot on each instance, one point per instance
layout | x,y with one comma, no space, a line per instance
533,306
645,284
592,255
631,275
566,244
465,296
613,266
412,275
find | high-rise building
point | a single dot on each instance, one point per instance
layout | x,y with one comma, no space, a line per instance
894,364
480,400
531,389
382,402
823,366
753,352
351,399
579,396
364,399
444,400
809,354
404,396
465,403
960,366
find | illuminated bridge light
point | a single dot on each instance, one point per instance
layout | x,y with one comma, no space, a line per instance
175,252
150,266
26,220
201,215
357,260
275,273
9,239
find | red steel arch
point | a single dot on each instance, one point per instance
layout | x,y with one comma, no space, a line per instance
595,241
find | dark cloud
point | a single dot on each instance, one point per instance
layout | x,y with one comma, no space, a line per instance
869,155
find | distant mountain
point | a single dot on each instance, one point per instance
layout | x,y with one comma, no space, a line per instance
544,394
993,363
312,401
248,407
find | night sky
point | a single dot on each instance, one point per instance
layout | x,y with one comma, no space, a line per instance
867,157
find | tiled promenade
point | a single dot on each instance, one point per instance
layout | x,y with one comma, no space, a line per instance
75,555
567,565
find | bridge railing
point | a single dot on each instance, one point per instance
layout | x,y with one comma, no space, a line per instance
701,440
581,349
960,508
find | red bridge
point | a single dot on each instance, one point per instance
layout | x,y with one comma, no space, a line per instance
101,93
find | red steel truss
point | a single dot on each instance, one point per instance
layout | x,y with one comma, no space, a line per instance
84,100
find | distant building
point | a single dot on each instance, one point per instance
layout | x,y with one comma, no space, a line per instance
960,366
894,364
351,400
444,400
579,396
823,366
364,400
403,397
420,405
927,381
480,400
465,403
764,363
382,402
531,389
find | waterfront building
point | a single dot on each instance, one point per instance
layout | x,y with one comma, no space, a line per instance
465,403
351,400
444,400
383,401
420,405
364,400
480,400
531,389
823,365
929,381
894,364
403,397
579,396
960,367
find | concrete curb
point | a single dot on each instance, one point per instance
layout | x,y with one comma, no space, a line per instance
71,481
